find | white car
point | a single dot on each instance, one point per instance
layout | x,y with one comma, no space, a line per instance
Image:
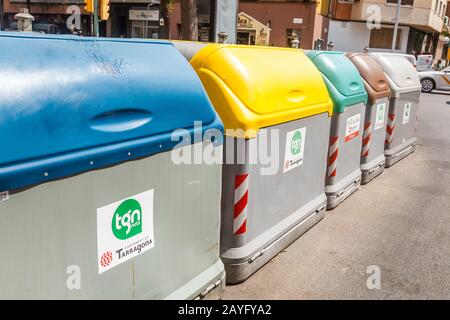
435,80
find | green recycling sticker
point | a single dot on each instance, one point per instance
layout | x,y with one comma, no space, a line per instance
124,230
406,113
381,111
127,219
295,148
296,143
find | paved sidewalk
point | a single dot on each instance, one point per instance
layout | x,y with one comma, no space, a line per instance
399,222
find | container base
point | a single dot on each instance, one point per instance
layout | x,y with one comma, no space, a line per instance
369,175
394,158
335,198
239,272
212,283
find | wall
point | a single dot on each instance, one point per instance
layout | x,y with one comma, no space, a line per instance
355,36
321,27
421,15
280,16
41,8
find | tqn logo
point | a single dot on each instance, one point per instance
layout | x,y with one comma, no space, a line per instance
127,220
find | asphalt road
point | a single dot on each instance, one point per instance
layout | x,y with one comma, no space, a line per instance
400,222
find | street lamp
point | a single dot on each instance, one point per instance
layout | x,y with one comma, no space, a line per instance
152,3
397,17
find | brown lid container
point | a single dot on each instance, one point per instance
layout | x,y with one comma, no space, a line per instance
375,81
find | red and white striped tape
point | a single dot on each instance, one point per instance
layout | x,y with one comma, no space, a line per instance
366,139
332,156
390,129
240,204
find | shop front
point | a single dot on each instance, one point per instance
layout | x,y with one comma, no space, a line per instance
251,32
134,19
49,17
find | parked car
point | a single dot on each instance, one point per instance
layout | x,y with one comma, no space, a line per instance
46,28
435,80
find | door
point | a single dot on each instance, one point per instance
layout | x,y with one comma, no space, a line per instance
243,37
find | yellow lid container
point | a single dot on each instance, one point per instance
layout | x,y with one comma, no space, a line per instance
253,87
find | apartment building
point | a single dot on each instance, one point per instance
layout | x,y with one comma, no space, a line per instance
357,25
264,22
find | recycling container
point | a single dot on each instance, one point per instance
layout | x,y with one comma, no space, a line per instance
374,134
403,106
277,113
94,205
349,97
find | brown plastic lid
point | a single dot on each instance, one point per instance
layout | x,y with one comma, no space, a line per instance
375,80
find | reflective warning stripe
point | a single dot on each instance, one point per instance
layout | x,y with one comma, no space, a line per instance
332,156
240,204
366,139
390,129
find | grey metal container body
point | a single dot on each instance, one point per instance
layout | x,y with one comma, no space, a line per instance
372,154
403,138
51,227
347,177
280,207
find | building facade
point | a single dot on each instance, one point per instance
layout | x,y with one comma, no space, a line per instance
272,23
357,25
289,19
50,15
252,32
133,19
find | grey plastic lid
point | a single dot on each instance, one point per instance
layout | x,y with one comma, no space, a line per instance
401,74
189,48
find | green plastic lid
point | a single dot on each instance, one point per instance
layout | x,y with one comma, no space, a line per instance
343,81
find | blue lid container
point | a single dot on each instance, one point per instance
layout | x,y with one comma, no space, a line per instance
70,104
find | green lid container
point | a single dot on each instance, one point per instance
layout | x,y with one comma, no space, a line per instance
343,80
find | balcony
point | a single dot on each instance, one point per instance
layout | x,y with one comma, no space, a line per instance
421,15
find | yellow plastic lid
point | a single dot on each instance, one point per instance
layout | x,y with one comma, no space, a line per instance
253,87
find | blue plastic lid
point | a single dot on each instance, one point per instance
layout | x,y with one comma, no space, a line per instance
70,104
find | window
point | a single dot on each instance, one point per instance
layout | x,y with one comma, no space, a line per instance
403,3
140,29
291,34
382,38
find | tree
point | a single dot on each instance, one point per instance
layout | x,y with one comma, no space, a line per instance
164,14
189,22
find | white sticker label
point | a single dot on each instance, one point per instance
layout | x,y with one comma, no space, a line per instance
381,112
124,230
295,149
406,113
353,127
